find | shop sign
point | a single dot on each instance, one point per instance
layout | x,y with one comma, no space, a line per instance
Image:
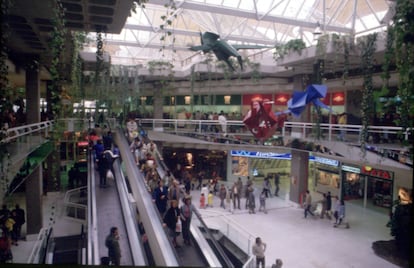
383,174
260,154
327,161
351,169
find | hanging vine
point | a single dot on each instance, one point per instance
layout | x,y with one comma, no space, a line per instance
5,103
167,19
78,39
347,48
367,48
404,55
57,48
255,68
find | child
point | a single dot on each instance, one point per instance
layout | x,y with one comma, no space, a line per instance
202,201
210,199
263,201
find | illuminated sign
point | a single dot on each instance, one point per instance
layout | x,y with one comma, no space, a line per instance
351,169
83,143
383,174
260,154
327,161
270,155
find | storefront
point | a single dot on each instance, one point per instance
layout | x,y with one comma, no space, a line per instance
379,186
368,187
353,184
327,175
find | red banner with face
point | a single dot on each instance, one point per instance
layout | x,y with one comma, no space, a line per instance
260,120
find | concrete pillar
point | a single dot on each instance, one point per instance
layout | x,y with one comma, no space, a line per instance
32,96
33,183
158,103
299,84
34,201
299,175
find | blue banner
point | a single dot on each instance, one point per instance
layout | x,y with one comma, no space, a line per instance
285,156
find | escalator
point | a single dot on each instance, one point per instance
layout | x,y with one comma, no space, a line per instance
206,251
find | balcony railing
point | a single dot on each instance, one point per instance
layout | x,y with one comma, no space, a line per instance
329,132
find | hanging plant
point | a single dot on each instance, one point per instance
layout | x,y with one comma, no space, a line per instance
296,45
227,71
101,70
321,46
57,48
78,39
388,60
404,57
5,92
347,47
167,18
367,48
255,67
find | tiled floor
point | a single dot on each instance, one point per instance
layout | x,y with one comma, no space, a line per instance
299,242
311,242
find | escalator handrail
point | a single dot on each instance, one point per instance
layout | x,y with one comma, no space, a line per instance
161,169
218,247
93,241
137,253
158,241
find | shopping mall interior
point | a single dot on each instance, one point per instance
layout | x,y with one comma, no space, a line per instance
301,98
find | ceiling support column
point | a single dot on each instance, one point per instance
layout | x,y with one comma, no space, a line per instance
32,94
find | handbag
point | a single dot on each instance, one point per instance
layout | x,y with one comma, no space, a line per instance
178,227
109,174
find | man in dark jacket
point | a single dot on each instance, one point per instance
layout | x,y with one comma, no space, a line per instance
112,243
328,205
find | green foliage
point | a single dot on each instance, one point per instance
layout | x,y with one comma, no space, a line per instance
167,19
367,46
57,48
4,82
404,57
296,45
255,67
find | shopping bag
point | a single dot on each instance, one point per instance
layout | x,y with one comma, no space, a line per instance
178,226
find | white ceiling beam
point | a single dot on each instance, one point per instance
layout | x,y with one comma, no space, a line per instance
197,34
250,15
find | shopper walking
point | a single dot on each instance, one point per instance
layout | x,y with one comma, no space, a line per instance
323,204
308,204
186,212
328,205
277,182
20,220
252,201
112,243
222,195
336,212
237,190
170,220
248,184
258,250
160,197
263,201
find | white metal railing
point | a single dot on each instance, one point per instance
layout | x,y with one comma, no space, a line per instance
43,128
231,229
295,129
12,134
74,209
352,132
34,257
250,263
